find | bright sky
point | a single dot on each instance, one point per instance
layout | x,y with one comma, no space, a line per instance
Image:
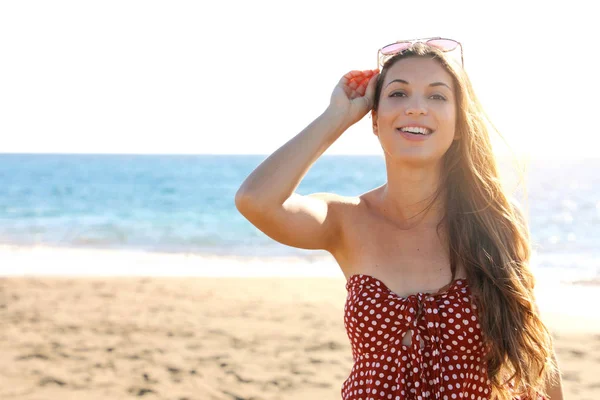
246,76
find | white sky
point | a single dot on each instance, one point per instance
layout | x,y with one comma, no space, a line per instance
246,76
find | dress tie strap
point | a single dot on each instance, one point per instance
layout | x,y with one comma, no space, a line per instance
426,309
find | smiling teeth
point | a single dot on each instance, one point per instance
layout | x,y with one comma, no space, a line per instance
414,129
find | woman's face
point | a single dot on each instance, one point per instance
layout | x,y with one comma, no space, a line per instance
416,92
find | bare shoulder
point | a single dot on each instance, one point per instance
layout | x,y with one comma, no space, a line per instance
314,221
336,200
346,206
343,211
349,213
341,208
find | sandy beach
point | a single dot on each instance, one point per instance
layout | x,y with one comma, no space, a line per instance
209,337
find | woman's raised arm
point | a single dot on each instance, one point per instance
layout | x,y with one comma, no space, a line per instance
267,199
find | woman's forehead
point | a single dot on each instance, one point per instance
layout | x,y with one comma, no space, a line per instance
418,70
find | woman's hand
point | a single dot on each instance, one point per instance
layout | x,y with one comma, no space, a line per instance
353,96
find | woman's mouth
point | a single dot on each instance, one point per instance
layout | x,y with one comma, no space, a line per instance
415,134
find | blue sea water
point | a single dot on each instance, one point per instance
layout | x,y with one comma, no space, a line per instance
185,203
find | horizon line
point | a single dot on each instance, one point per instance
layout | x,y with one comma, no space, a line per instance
498,155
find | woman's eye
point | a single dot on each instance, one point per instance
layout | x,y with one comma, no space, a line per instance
402,94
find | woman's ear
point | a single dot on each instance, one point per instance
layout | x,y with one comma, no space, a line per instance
374,119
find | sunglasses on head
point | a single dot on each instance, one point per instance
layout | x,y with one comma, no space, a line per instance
446,45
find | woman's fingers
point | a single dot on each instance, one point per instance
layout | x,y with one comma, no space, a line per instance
363,88
357,82
357,76
351,95
349,77
370,90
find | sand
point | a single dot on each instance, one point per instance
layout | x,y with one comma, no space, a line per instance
208,338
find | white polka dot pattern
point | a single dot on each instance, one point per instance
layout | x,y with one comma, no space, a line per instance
445,358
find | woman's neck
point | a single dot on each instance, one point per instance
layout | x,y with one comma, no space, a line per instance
409,191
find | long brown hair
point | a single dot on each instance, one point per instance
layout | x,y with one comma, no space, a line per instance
490,238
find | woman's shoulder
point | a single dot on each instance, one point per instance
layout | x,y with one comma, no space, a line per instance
347,212
336,199
354,209
346,202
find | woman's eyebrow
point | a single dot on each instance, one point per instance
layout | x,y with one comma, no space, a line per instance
431,84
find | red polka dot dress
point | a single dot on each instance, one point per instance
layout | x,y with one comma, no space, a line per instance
445,359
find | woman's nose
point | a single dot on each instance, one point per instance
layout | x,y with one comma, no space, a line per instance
416,107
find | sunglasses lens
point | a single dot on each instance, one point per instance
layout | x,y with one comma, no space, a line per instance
394,48
443,44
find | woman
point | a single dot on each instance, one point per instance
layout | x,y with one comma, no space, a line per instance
440,296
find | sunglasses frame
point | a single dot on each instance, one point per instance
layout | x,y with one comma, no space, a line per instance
380,55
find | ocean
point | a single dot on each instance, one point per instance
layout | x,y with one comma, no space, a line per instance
185,204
